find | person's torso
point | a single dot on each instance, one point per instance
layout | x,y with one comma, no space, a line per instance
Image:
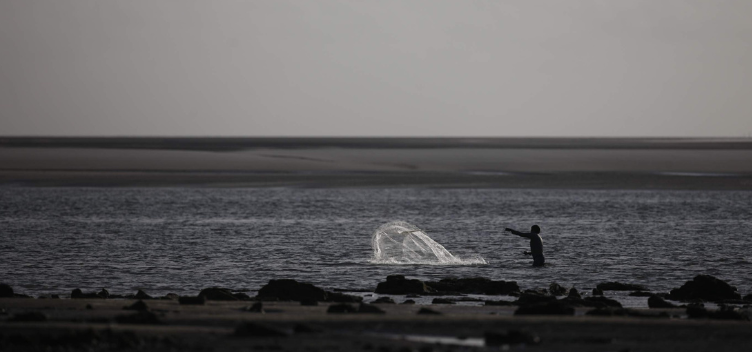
536,245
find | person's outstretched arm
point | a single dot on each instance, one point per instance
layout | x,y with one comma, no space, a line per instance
521,234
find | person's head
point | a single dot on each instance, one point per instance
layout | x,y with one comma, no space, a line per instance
535,229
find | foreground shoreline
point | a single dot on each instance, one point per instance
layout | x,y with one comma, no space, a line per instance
292,316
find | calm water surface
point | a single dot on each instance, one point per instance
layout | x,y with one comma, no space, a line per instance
183,239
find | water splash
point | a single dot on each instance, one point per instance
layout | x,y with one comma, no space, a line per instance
399,242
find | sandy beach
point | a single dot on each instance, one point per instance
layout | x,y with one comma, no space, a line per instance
212,326
330,162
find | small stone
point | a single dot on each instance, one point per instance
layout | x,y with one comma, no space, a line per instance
138,306
257,307
386,300
574,294
408,301
371,309
341,308
557,290
89,307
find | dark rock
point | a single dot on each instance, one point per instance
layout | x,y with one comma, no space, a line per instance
20,295
748,297
28,317
601,302
89,307
217,294
142,295
657,302
695,312
139,306
442,301
642,294
341,308
104,293
704,287
241,296
474,285
573,293
387,300
54,296
624,312
309,302
305,329
6,291
618,286
597,292
188,300
171,296
248,329
427,311
548,308
408,301
368,308
257,307
557,290
78,294
511,337
499,303
398,285
342,298
141,318
537,291
526,298
291,290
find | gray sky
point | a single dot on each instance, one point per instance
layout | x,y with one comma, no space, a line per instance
376,68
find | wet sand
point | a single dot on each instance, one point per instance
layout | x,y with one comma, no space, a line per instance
210,327
412,162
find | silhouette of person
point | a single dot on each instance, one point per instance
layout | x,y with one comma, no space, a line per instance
536,244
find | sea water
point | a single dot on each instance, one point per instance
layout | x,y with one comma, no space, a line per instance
181,240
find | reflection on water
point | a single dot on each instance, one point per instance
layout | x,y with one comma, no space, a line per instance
183,239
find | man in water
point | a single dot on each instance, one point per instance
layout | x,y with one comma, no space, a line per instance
536,244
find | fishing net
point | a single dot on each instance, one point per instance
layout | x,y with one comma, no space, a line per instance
399,242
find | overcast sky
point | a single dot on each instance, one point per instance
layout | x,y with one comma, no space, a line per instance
376,68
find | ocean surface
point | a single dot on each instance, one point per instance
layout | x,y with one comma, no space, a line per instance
181,240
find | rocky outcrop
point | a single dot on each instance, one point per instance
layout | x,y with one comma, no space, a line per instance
442,301
387,300
557,290
6,291
369,309
725,313
428,311
475,285
597,292
657,302
574,294
291,290
217,294
341,308
624,312
601,302
527,298
704,287
618,286
78,294
398,285
142,295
